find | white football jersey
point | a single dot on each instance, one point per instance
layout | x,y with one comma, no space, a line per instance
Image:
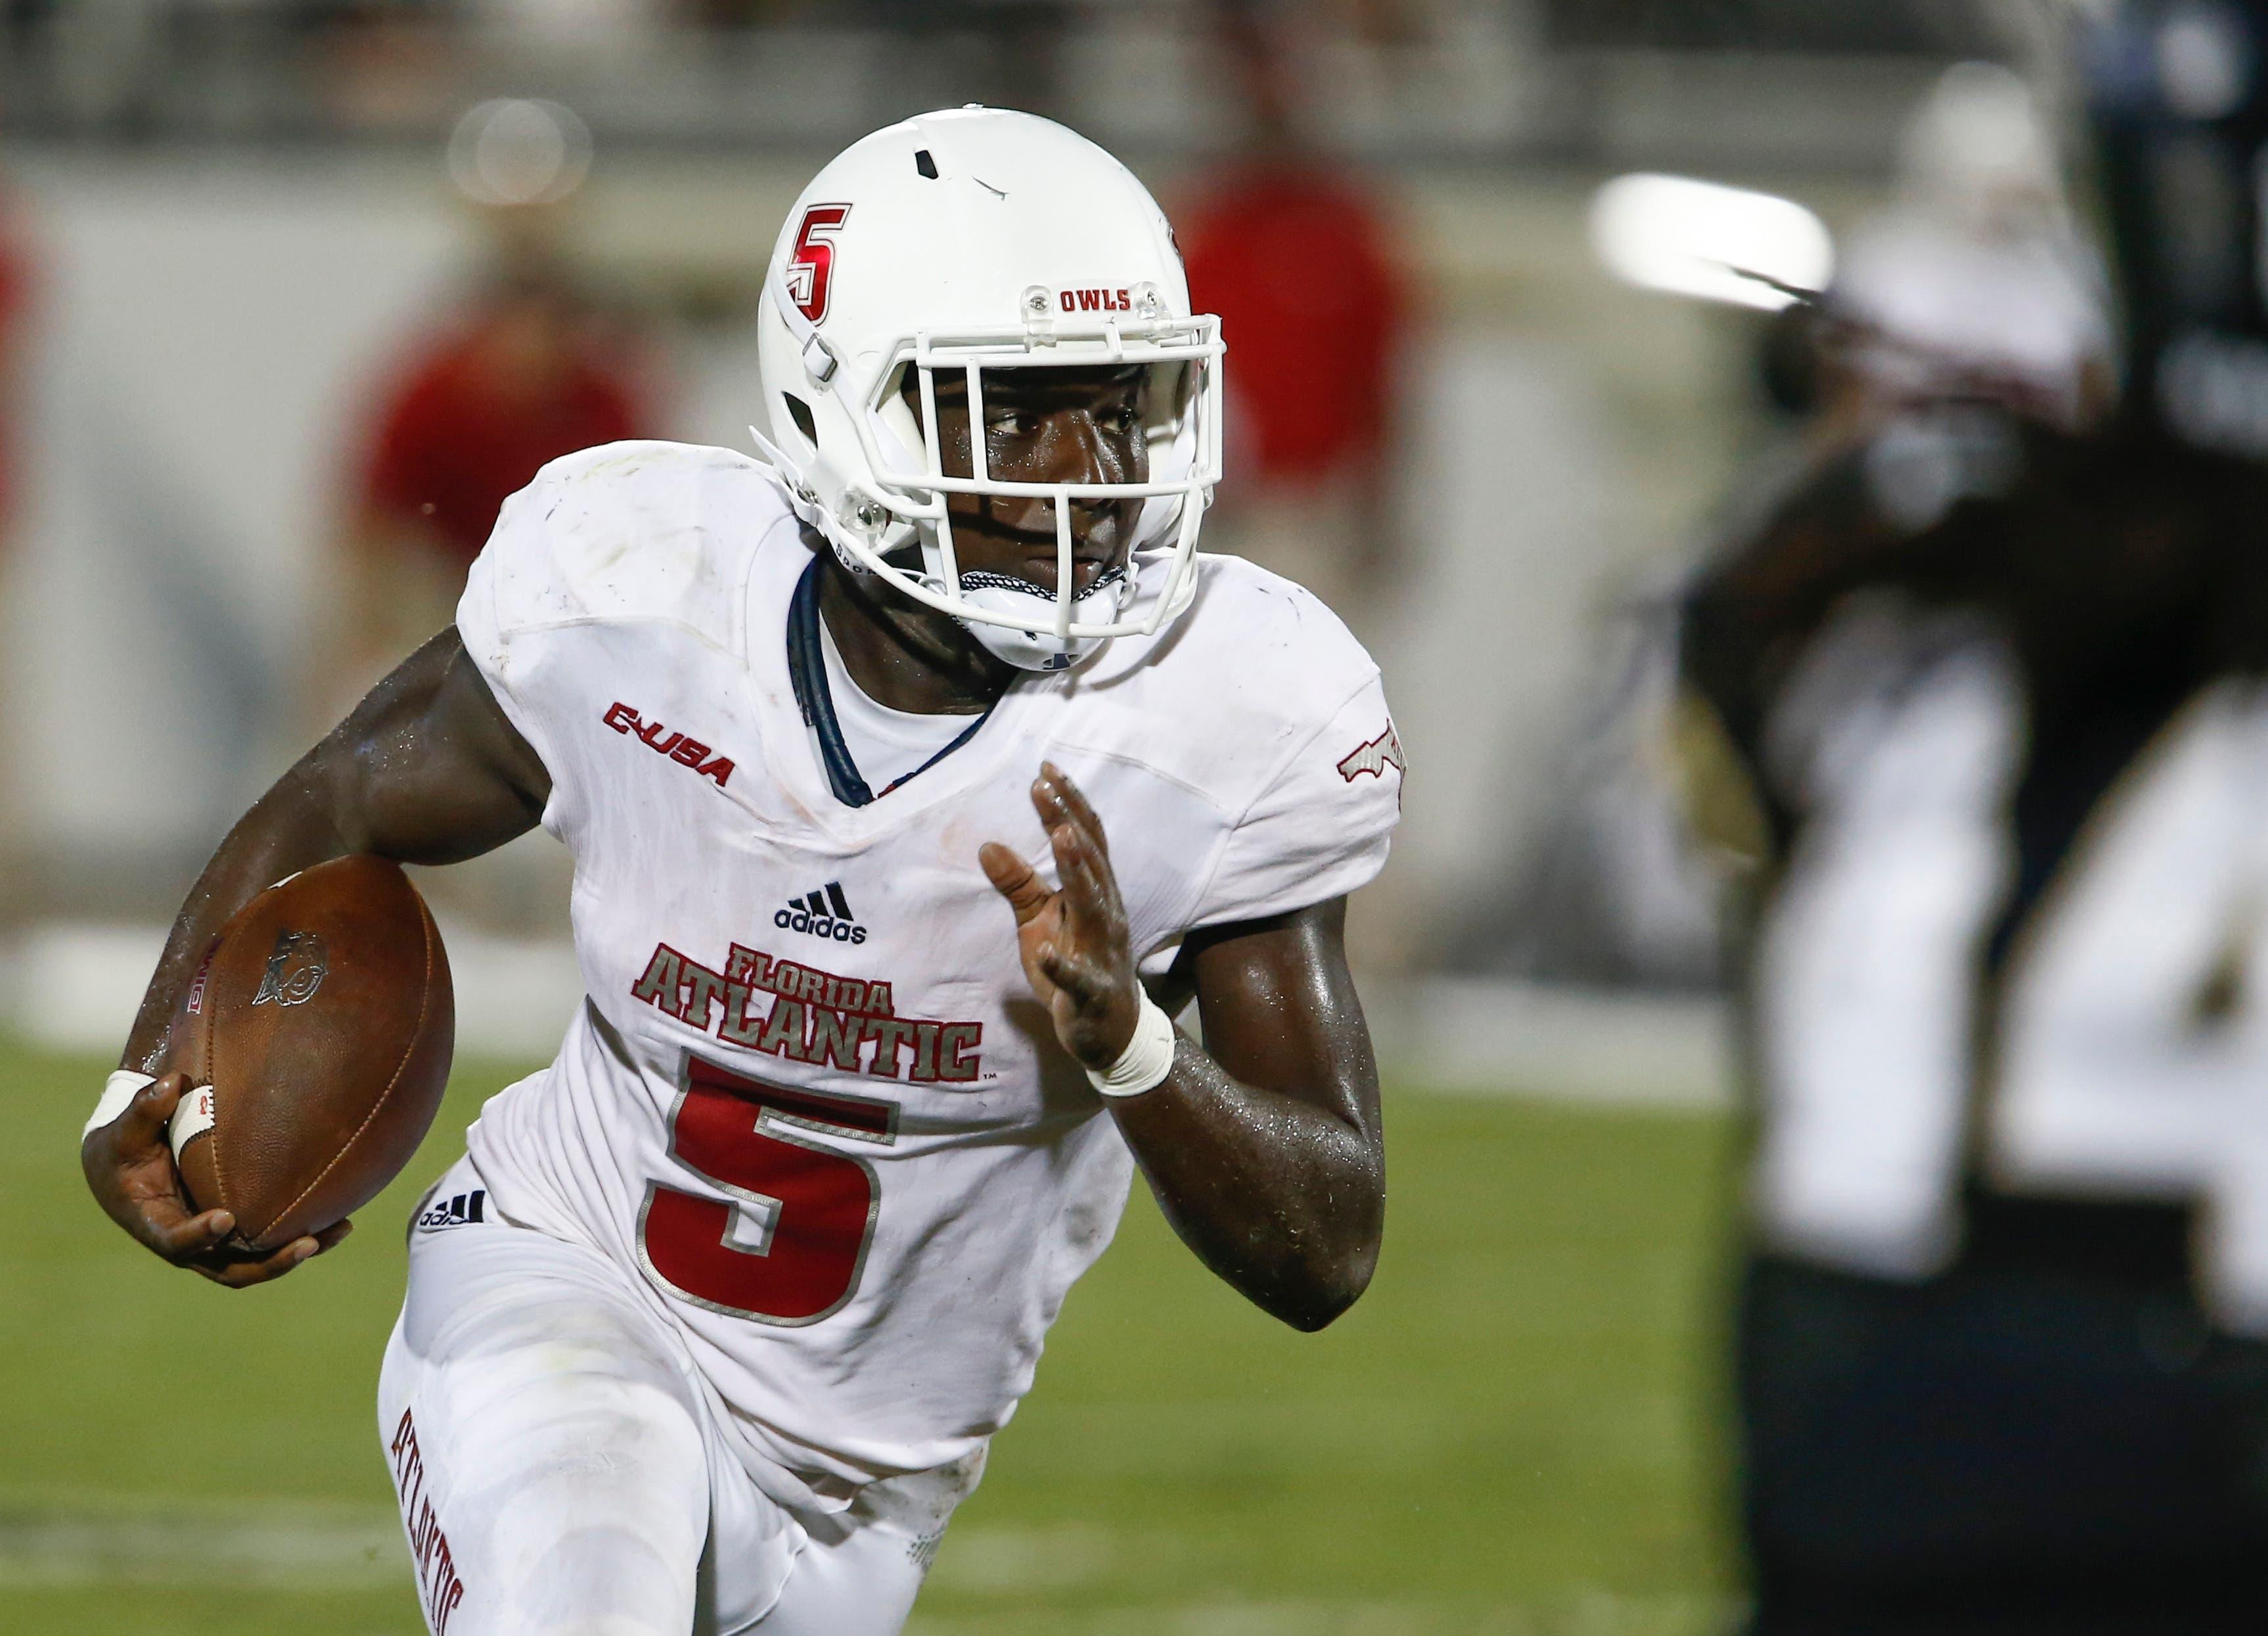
810,1099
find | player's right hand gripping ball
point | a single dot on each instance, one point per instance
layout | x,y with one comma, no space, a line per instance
316,1033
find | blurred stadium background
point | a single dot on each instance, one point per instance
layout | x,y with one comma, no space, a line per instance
269,267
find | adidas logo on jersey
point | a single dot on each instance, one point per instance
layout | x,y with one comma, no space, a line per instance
823,913
455,1212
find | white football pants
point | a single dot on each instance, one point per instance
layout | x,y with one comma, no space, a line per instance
561,1471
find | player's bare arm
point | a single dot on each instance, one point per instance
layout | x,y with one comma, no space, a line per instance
1264,1149
426,769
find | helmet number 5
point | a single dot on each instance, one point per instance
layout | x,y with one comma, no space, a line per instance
788,1242
811,264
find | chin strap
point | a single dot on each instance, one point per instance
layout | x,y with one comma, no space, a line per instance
1032,646
1122,585
801,499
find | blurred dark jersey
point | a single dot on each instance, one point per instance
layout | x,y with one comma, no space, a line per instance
452,445
1299,264
2027,718
2126,571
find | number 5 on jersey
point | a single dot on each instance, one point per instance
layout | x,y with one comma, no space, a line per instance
791,1250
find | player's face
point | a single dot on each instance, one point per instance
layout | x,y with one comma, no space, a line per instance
1045,425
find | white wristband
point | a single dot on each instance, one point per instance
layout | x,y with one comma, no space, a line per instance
116,1093
1148,1057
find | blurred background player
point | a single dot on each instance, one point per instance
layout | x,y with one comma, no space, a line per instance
1290,245
526,365
1994,680
1973,283
17,289
18,293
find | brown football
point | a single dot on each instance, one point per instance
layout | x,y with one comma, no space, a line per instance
322,1019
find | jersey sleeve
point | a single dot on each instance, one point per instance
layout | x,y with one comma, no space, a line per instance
1320,828
504,595
622,538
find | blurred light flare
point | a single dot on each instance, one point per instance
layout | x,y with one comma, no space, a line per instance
515,151
2204,61
1701,238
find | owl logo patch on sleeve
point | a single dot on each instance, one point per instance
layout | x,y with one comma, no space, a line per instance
1373,757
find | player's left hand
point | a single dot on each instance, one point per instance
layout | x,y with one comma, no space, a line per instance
1073,940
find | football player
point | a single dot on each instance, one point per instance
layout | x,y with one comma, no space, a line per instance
1999,688
914,778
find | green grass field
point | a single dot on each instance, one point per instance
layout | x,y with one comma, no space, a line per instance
1513,1432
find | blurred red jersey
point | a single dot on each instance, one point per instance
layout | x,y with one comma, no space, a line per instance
15,288
1296,260
462,434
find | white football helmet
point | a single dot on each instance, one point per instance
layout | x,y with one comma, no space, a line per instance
975,240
